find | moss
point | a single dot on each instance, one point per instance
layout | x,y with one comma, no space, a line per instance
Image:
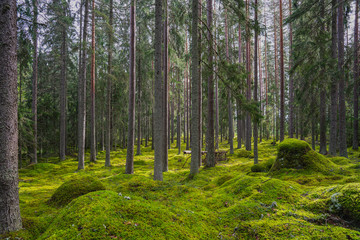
340,160
74,188
242,153
346,202
106,215
263,166
297,154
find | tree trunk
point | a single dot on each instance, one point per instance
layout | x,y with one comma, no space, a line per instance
82,94
291,82
355,144
334,84
210,125
63,88
238,108
138,151
195,113
342,107
108,97
256,157
282,78
129,169
93,121
165,89
248,89
34,159
10,219
158,94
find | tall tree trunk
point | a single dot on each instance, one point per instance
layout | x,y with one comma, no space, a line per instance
238,108
248,89
195,113
282,78
108,96
291,81
210,125
172,114
34,159
138,151
63,88
165,89
334,84
82,94
93,119
10,219
129,169
230,112
256,157
323,144
355,144
342,107
200,85
158,94
178,120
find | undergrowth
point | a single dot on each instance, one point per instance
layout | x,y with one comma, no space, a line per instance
234,200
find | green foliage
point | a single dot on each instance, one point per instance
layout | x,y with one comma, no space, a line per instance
263,166
74,188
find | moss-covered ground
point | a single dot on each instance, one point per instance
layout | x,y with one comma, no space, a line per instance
230,201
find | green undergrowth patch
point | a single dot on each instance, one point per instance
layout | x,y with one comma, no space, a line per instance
234,200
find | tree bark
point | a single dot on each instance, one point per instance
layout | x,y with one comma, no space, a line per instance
34,159
282,78
342,107
108,96
210,125
355,143
165,89
63,90
10,219
129,169
291,82
195,113
238,108
334,84
248,89
93,119
158,94
256,157
82,94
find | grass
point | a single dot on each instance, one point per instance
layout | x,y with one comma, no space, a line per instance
229,201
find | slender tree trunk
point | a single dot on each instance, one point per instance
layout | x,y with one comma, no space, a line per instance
256,157
63,92
108,96
158,94
334,84
291,82
165,89
178,120
261,87
10,219
355,144
275,98
200,85
34,159
93,121
342,107
248,89
129,169
323,144
172,115
138,151
195,113
282,80
210,125
82,94
238,108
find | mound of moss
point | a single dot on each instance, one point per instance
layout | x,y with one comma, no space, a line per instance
263,166
74,188
109,215
297,154
242,153
346,202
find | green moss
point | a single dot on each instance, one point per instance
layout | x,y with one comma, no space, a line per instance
242,153
106,215
74,188
346,202
297,154
340,160
263,166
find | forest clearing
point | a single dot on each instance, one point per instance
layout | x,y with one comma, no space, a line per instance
172,119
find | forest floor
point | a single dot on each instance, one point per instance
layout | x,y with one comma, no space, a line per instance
228,201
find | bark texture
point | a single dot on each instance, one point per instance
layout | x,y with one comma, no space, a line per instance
10,219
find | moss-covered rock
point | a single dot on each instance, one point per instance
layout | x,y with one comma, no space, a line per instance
297,154
242,153
346,202
74,188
